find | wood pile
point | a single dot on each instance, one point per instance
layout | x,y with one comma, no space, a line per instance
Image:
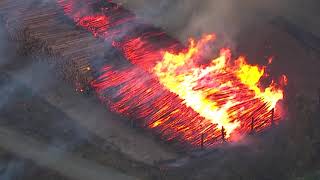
46,34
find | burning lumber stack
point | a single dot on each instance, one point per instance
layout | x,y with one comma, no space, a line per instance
46,34
162,85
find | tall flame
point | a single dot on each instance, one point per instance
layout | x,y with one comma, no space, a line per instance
196,85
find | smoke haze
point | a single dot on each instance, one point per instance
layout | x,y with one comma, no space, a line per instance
185,18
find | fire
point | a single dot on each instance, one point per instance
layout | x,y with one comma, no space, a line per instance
167,87
180,75
250,76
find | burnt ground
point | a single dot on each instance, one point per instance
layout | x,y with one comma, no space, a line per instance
39,110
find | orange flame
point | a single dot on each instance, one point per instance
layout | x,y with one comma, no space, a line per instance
196,85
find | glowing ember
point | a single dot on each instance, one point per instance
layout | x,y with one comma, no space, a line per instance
168,89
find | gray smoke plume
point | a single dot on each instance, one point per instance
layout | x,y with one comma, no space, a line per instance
185,18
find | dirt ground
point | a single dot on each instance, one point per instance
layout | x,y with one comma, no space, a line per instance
14,167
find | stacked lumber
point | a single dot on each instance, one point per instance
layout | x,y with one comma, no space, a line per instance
46,34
